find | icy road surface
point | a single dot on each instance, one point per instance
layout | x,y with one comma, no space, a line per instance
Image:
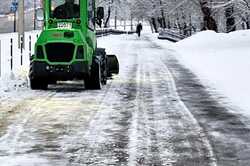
155,113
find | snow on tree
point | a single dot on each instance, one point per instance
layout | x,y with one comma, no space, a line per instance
192,15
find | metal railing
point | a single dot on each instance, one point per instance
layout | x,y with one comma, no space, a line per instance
105,32
168,34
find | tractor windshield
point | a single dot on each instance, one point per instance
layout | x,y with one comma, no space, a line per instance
65,9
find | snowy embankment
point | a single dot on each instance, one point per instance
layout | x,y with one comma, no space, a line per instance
221,61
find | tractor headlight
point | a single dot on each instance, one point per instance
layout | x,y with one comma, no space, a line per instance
80,52
39,52
78,21
50,21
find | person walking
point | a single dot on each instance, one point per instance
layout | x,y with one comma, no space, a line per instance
139,29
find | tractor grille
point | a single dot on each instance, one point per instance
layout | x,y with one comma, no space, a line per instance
60,52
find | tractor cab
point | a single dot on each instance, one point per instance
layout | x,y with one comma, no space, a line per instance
75,17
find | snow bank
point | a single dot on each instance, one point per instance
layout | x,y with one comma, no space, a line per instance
221,61
210,40
14,81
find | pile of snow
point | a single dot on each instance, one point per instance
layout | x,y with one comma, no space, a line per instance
14,81
211,40
221,61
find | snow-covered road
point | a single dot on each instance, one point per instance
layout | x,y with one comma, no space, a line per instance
154,113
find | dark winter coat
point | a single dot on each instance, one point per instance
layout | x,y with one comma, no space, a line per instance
138,28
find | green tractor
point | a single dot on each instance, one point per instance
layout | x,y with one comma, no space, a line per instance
67,47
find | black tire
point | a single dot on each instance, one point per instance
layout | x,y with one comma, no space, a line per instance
53,82
94,81
37,84
101,53
113,65
104,72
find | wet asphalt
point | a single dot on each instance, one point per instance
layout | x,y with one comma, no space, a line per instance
154,113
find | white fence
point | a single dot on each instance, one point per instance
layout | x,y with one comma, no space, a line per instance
171,34
12,58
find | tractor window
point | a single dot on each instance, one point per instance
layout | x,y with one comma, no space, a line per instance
91,14
65,9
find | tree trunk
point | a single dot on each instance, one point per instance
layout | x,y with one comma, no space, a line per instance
163,19
208,21
115,19
131,23
168,23
151,26
107,20
230,22
159,19
99,22
154,25
248,22
125,24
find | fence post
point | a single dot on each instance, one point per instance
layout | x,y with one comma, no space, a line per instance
22,44
0,59
29,46
115,18
131,22
125,24
11,54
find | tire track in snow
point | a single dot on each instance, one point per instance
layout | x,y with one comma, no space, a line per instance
10,144
105,141
24,117
44,122
185,141
143,138
13,104
207,154
157,130
150,136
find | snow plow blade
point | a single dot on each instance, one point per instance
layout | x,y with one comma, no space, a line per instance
113,65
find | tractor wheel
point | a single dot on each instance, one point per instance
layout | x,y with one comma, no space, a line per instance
104,72
100,52
95,79
37,84
113,65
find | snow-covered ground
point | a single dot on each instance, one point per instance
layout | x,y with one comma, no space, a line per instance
139,118
221,61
